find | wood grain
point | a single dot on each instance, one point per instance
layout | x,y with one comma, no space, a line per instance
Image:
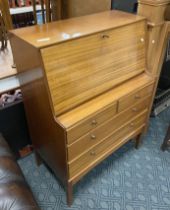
46,134
130,99
78,8
96,135
156,14
154,11
91,123
61,31
76,72
90,157
88,110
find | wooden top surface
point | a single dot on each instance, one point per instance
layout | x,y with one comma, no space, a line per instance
52,33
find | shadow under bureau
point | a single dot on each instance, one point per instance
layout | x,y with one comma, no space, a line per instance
86,88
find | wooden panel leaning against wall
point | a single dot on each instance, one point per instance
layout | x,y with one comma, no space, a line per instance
57,129
157,28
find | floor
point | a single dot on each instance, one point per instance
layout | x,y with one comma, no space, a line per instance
129,179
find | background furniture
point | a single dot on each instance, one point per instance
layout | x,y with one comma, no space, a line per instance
12,116
13,124
127,6
4,7
158,32
5,23
86,90
14,192
166,142
75,8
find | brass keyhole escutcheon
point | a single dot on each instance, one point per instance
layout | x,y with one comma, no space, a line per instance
105,36
93,136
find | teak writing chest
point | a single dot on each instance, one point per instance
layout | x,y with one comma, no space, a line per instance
86,88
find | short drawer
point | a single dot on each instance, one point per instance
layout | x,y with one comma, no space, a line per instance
129,100
103,149
96,135
91,123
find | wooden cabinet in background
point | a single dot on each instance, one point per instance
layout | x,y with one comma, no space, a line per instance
85,87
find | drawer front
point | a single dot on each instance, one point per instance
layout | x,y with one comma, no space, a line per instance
80,69
109,144
96,135
129,100
91,123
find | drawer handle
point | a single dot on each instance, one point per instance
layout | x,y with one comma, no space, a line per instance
92,153
134,109
93,136
94,122
105,36
137,97
131,125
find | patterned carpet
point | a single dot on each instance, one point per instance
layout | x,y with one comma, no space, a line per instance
128,180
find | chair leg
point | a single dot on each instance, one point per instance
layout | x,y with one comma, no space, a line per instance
166,141
38,158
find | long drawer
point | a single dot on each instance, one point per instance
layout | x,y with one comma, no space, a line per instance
91,123
110,143
139,95
96,135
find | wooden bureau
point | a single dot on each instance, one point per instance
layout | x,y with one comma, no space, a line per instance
86,88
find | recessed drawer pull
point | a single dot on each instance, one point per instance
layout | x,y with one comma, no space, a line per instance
92,153
134,109
93,136
105,36
94,122
137,97
131,125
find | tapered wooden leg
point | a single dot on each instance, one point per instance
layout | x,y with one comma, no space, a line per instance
138,140
69,194
37,158
145,130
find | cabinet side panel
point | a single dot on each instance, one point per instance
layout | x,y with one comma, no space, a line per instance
47,135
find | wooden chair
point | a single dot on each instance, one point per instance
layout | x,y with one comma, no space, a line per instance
5,23
3,33
61,9
46,9
4,8
166,142
76,8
